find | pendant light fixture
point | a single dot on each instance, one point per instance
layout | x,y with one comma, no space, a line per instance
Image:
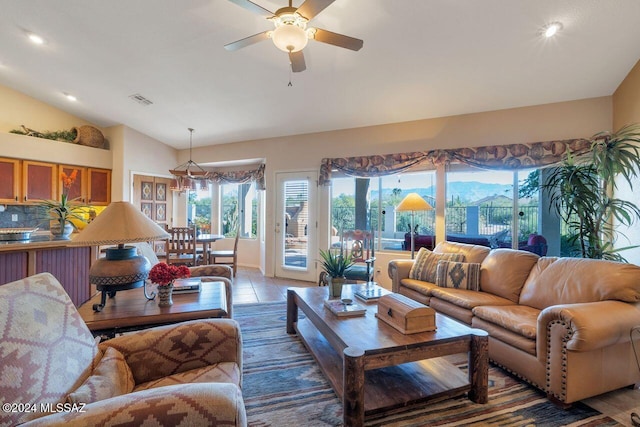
189,171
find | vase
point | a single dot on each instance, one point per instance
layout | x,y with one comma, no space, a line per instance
165,295
89,136
60,233
335,287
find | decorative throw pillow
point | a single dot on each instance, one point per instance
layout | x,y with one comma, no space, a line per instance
459,275
112,377
426,263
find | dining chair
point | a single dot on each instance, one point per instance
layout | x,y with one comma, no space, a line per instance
229,257
159,246
181,247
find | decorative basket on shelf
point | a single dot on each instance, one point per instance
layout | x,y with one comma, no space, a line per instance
89,136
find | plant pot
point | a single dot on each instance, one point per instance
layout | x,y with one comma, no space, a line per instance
60,233
165,295
335,287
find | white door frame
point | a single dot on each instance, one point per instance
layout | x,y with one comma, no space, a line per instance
307,272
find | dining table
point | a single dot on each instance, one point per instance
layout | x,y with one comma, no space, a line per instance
206,240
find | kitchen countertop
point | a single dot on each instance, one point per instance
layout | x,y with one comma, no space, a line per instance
38,240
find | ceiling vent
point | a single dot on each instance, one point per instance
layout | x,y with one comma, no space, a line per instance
140,99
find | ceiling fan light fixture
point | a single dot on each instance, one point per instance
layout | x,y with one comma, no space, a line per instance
289,38
289,35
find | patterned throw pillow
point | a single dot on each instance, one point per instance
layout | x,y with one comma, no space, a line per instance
425,266
112,377
459,275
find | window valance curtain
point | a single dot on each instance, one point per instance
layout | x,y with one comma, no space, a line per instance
511,157
240,177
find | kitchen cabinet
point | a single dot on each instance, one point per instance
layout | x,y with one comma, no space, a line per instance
78,189
92,185
99,187
29,181
69,264
10,180
39,181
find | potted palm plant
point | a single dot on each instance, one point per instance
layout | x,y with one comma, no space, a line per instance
62,212
582,190
335,264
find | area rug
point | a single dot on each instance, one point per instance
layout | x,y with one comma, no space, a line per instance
283,386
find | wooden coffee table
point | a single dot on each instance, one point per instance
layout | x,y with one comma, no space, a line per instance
375,369
130,310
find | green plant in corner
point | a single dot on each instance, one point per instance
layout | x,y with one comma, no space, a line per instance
582,192
335,264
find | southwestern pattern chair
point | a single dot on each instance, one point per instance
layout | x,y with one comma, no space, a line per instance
188,374
359,244
206,273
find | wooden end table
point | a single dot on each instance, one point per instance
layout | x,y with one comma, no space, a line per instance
130,310
375,369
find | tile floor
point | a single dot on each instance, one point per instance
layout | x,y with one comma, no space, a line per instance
250,286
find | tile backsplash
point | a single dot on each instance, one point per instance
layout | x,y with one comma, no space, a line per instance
26,217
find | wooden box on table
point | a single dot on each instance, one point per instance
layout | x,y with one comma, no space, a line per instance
406,315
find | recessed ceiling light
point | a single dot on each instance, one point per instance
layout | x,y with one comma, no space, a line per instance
70,97
35,39
551,29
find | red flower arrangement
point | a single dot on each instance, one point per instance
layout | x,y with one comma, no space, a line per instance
163,274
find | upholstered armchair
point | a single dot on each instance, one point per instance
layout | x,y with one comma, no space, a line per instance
52,371
217,273
206,273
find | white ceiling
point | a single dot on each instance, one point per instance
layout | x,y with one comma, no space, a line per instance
421,59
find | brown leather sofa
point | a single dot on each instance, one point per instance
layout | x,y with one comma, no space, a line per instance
562,324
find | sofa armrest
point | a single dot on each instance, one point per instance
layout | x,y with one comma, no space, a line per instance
398,269
588,326
201,404
166,350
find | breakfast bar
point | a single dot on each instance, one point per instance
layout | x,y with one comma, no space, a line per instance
40,253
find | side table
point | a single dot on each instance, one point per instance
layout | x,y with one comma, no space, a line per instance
130,310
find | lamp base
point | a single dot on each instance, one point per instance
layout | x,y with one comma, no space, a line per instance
120,270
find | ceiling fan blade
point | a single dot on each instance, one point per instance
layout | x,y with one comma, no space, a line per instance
297,61
336,39
311,8
253,7
239,44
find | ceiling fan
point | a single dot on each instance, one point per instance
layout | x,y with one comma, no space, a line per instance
291,33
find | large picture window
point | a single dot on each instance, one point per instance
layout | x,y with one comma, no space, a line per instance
199,212
369,204
239,210
490,208
485,207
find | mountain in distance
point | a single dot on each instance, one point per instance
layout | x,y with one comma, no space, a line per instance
465,191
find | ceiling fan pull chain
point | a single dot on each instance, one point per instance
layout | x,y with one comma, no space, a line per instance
290,84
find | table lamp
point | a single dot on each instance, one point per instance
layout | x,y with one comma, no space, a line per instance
413,202
121,268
